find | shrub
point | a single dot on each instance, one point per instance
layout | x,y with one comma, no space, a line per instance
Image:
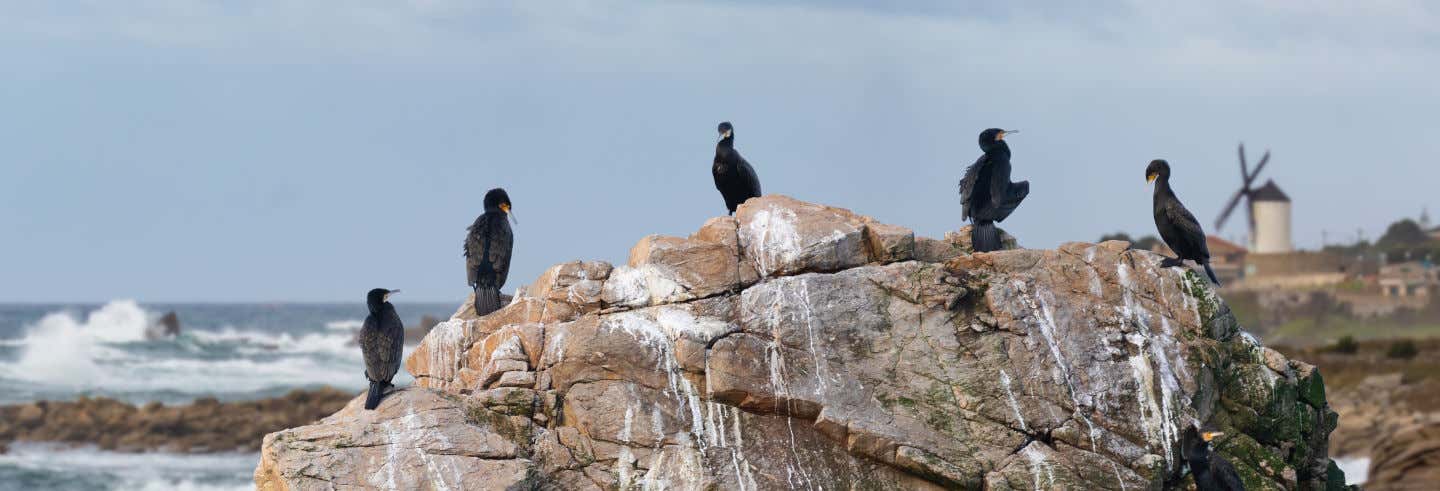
1403,349
1346,345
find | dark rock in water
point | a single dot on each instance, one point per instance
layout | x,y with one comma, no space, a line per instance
167,327
207,425
796,345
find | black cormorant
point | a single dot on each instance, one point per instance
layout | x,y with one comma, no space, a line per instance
381,340
734,177
1177,227
487,251
986,194
1212,472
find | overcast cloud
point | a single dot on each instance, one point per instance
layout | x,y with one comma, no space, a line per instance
172,151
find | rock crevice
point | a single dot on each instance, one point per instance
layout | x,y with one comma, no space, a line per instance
800,346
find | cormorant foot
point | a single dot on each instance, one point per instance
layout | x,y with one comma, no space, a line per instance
1171,262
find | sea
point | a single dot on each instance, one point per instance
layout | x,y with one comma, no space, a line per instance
232,352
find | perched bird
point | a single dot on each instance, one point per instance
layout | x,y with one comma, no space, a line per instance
734,177
381,340
986,194
487,251
1178,228
1212,472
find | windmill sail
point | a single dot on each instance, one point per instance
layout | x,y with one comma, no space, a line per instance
1247,178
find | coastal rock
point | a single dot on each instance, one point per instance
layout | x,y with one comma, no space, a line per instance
785,236
415,439
858,356
954,244
207,425
168,326
1407,457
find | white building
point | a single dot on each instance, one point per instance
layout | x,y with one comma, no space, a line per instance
1271,208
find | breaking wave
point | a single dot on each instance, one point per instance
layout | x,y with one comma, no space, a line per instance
106,352
39,466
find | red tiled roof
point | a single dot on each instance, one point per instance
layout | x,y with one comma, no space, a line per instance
1220,246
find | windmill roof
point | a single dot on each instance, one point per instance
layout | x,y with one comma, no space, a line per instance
1269,192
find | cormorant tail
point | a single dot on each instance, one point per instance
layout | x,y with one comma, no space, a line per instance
1211,273
487,300
984,237
377,390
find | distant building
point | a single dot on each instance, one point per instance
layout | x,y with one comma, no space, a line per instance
1409,279
1271,208
1226,258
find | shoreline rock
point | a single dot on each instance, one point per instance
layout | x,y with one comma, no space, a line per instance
204,426
798,345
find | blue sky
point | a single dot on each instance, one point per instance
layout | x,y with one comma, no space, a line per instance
308,151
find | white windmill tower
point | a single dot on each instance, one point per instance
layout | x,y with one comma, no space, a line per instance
1268,210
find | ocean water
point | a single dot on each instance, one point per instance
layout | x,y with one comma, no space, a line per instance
227,351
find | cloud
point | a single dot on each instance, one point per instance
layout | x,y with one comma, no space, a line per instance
203,116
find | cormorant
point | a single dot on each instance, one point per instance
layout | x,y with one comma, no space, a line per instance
487,251
1177,227
986,194
381,340
734,177
1212,472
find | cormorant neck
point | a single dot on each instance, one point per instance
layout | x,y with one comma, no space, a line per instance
997,147
727,144
377,308
1162,185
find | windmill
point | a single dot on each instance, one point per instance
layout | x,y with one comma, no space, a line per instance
1267,209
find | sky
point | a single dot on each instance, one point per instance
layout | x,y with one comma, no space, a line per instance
168,150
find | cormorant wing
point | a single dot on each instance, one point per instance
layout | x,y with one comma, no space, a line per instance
717,170
379,348
502,241
397,343
472,243
1225,474
967,188
748,176
1189,227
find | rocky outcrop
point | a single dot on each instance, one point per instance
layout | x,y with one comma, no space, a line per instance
168,326
803,346
1406,456
207,425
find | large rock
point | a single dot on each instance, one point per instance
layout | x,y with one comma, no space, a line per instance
1407,457
803,346
415,439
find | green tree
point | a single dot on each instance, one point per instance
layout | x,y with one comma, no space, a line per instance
1403,349
1145,243
1404,233
1117,236
1346,345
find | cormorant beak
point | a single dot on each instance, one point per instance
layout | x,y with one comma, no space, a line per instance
505,207
726,134
1210,435
1150,178
1005,133
389,293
